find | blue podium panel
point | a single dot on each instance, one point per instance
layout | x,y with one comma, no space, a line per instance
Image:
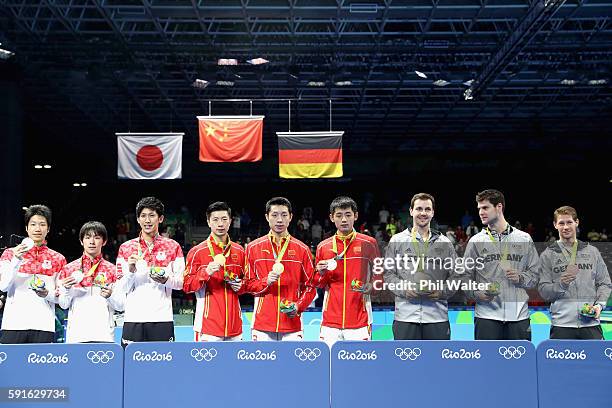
434,373
574,373
227,374
61,375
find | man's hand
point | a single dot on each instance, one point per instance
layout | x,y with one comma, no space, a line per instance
42,292
273,277
435,295
412,294
132,262
19,251
483,297
597,311
212,268
235,285
160,279
321,267
513,275
567,278
68,282
106,292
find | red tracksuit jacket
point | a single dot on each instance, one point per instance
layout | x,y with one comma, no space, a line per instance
294,283
218,307
344,308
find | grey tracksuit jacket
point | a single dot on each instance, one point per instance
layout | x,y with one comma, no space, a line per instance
422,309
511,303
592,284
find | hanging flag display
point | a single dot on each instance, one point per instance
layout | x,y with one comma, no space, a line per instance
149,155
310,154
230,138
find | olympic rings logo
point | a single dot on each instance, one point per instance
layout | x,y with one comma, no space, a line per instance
100,357
203,354
408,353
307,354
512,352
3,357
607,353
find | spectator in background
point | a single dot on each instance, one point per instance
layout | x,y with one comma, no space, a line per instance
391,227
460,235
466,219
604,235
518,225
317,233
236,227
383,215
471,230
122,230
245,220
593,235
530,229
450,234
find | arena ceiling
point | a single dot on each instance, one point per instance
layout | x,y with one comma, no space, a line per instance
535,71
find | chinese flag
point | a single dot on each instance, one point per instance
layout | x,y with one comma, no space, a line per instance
230,138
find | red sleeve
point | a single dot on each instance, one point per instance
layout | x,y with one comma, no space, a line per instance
252,283
7,255
308,290
195,272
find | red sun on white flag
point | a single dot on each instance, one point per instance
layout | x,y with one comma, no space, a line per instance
150,157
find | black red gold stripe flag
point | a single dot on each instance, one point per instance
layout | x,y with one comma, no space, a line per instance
310,154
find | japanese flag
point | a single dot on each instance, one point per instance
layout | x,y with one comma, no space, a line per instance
149,155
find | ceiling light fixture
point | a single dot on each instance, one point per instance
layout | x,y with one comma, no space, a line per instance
258,61
200,84
568,82
225,83
315,83
38,166
598,82
421,74
441,82
343,83
227,61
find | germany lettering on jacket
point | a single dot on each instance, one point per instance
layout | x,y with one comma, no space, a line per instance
561,269
497,257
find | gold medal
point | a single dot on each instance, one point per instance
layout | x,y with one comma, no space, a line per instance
220,259
278,268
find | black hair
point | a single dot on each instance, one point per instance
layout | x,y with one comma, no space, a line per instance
278,201
95,227
342,202
151,203
218,206
38,209
493,196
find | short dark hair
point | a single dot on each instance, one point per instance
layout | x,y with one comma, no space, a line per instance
151,203
38,209
278,201
342,202
493,196
218,206
95,227
423,196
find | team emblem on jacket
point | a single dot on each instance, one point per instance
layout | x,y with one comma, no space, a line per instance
46,264
291,252
161,256
357,249
234,257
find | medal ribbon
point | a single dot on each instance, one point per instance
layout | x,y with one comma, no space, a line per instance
225,249
352,236
279,257
150,249
417,248
504,253
571,260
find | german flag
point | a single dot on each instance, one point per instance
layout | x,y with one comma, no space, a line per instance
309,154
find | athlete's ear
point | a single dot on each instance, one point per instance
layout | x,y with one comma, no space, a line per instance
356,215
577,221
161,219
331,217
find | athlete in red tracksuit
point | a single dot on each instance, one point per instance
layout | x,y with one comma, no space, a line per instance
216,284
344,263
270,285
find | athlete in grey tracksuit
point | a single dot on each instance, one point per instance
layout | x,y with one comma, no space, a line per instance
504,316
592,285
418,316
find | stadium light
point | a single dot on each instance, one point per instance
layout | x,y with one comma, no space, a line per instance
421,74
441,82
5,54
38,166
227,61
225,83
315,83
598,82
343,83
200,83
258,61
47,166
568,82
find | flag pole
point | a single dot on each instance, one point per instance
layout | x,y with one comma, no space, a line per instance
251,106
209,108
330,115
289,115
